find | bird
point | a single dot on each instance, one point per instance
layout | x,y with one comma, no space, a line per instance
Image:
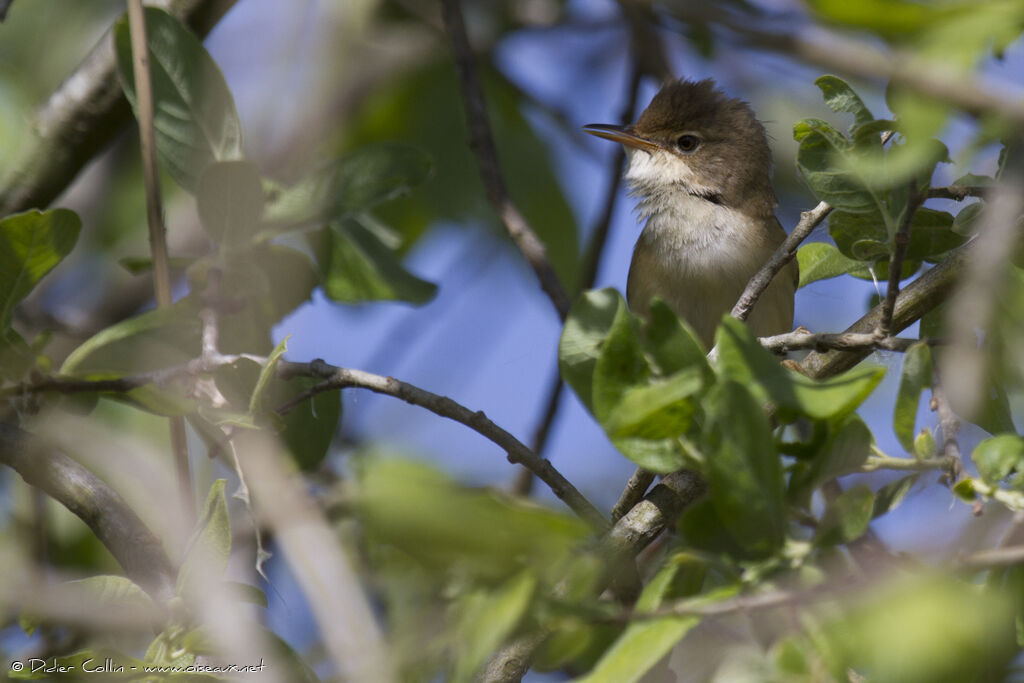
700,167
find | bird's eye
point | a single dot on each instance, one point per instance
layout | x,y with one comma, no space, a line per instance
688,143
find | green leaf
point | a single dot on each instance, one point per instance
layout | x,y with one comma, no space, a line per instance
818,160
924,445
892,494
210,545
620,365
997,457
742,359
994,414
864,236
917,374
644,642
351,184
455,194
744,470
194,114
847,517
964,222
671,344
589,322
358,266
821,261
839,96
656,410
230,200
113,590
844,451
31,244
266,373
246,592
487,620
156,339
443,526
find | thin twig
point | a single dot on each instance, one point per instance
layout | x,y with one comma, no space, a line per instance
340,378
809,220
794,341
481,141
877,462
949,426
998,557
900,243
636,487
155,218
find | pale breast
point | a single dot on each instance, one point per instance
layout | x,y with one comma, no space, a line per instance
698,257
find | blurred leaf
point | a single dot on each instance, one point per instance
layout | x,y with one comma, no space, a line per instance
892,494
847,517
821,261
194,113
445,526
454,194
230,201
839,96
210,545
589,322
16,356
891,633
246,592
487,619
997,457
116,591
744,470
357,266
645,641
963,223
351,184
893,18
31,244
917,374
266,374
863,236
156,339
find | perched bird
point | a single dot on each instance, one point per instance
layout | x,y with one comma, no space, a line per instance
700,164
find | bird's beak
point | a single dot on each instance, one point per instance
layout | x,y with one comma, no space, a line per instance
621,134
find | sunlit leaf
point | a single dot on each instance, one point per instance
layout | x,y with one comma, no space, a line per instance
589,322
996,458
487,620
917,372
194,114
31,244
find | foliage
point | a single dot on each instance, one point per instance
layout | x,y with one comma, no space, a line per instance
458,572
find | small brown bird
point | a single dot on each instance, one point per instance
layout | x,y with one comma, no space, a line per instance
700,164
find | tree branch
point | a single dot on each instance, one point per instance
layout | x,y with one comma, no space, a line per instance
341,378
850,341
482,143
809,220
82,116
900,243
115,524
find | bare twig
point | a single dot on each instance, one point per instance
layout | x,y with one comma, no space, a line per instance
340,378
115,524
155,218
998,557
636,487
900,243
809,220
482,143
877,462
794,341
949,426
83,116
958,192
919,297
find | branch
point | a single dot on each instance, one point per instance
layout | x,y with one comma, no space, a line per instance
850,341
115,524
809,220
482,143
958,192
900,243
518,453
155,219
833,51
919,297
636,487
83,115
